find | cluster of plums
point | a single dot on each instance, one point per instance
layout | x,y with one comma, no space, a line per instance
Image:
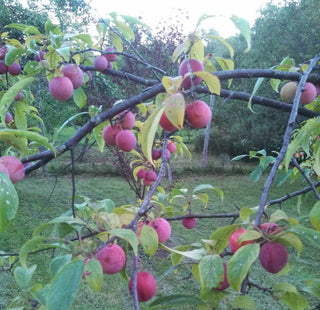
14,69
309,92
105,61
120,134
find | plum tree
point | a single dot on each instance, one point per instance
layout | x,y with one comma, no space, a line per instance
162,227
112,258
273,256
146,286
166,124
126,140
309,93
195,65
198,114
74,73
189,222
101,63
288,91
109,134
61,88
14,167
234,244
126,120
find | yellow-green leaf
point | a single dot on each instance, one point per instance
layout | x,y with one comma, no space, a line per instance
211,80
172,84
224,42
175,109
244,27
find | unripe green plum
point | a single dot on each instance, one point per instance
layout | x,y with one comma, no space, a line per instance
14,167
61,88
273,256
109,134
162,227
288,91
198,114
112,258
126,140
196,65
146,286
74,73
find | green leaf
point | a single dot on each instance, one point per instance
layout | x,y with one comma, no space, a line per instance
256,174
172,301
277,216
290,239
222,235
128,235
244,27
314,216
313,287
310,235
116,41
243,302
20,117
149,131
175,109
97,133
9,96
58,262
294,301
211,80
240,263
196,254
125,30
197,49
250,235
149,239
32,68
245,214
282,287
176,258
224,42
23,276
211,272
64,286
94,274
65,52
13,55
9,201
29,246
209,187
24,28
180,49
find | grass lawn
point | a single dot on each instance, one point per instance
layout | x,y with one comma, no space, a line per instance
45,196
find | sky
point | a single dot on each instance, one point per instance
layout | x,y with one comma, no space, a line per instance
154,11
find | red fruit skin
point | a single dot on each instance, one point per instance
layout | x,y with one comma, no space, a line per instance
189,222
39,57
234,240
162,227
308,94
8,118
195,65
151,176
146,286
61,88
5,170
156,154
14,167
109,134
147,182
110,57
100,63
271,228
126,140
74,73
112,258
273,256
199,114
168,154
141,173
3,67
166,124
126,120
18,97
172,147
224,284
14,69
3,52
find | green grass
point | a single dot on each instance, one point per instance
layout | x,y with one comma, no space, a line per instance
43,197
